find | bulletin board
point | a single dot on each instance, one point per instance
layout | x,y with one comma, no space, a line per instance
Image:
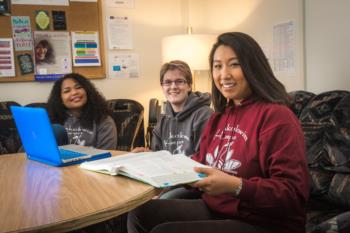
80,16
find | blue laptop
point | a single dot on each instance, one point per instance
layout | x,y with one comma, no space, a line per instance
39,141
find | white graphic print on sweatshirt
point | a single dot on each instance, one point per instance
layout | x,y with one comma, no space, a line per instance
78,135
176,141
223,154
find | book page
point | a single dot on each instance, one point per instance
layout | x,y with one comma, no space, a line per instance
160,169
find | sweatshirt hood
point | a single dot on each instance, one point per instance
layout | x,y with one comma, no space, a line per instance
195,100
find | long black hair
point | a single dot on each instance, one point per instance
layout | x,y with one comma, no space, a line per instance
49,55
95,109
255,67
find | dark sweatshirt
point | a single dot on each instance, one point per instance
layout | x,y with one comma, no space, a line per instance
180,133
264,145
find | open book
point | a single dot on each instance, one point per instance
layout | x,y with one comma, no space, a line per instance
160,169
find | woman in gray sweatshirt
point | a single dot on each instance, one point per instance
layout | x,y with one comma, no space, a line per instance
75,103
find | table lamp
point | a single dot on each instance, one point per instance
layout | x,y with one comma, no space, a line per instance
191,48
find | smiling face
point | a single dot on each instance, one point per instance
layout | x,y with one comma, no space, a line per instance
228,75
175,89
73,96
40,52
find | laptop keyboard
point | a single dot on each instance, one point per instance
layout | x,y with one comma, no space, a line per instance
68,154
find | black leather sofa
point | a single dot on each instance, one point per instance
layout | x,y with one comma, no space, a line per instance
325,119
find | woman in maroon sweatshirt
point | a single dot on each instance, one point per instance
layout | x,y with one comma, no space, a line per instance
253,142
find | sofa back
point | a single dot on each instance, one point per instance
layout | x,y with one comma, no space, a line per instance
325,119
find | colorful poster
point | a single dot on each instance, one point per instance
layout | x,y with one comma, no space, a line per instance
52,55
22,33
123,65
7,64
86,49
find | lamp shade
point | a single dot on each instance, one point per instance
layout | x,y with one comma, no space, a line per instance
193,49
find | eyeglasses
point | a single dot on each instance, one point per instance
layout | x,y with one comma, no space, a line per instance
177,82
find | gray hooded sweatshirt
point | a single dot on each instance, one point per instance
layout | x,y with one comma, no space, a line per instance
101,136
180,133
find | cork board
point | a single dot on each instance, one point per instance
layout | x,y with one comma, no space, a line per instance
80,16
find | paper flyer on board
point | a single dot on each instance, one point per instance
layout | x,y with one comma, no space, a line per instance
86,49
119,32
5,7
123,65
284,48
7,63
83,0
52,55
120,3
42,2
25,63
22,33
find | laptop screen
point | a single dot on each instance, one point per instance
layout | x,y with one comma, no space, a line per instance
36,134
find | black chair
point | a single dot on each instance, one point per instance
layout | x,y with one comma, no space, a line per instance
128,117
153,118
9,138
37,105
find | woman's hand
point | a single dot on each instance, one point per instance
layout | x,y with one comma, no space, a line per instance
217,182
140,149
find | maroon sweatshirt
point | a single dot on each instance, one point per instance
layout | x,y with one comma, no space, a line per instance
264,145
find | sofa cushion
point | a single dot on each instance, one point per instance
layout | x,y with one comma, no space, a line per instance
340,134
337,224
298,100
319,109
339,189
319,125
325,120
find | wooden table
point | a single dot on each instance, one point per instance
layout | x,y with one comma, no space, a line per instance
37,197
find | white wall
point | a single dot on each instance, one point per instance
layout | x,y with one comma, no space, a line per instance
327,45
153,19
257,18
